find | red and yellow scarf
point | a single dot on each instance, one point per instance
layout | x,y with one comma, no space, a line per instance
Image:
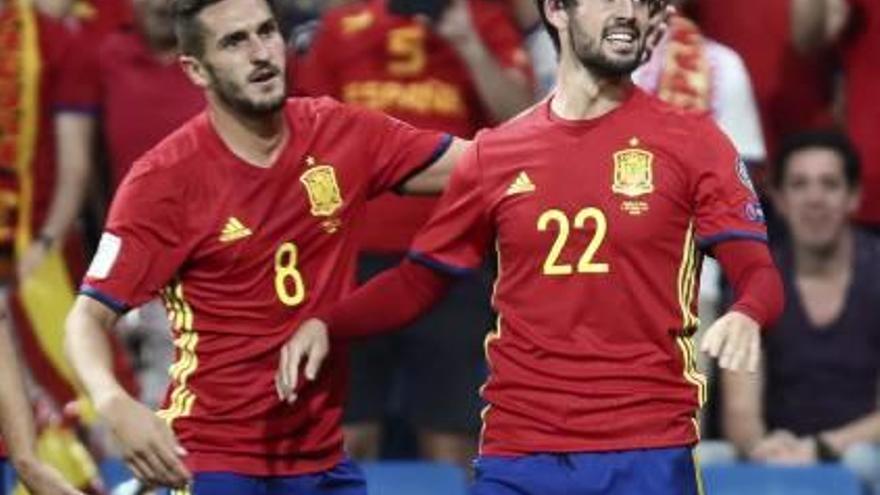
685,74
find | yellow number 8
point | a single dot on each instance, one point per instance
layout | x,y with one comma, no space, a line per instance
285,268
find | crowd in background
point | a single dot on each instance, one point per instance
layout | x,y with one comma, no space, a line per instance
790,81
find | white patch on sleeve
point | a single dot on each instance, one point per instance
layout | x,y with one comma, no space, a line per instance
105,257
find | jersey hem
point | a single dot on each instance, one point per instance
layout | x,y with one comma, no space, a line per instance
260,465
585,447
110,302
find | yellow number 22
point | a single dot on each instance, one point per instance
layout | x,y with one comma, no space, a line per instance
586,263
286,269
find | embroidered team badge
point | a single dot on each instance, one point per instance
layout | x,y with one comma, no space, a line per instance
633,172
325,196
633,177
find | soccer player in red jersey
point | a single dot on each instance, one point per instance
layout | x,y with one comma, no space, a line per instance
244,220
601,201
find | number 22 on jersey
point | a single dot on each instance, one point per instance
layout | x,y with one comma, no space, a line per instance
586,264
289,283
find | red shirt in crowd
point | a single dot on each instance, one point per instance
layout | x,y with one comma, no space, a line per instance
142,98
599,225
861,66
792,92
364,55
241,255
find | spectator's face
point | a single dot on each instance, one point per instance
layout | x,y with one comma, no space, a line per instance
815,198
244,57
155,18
606,36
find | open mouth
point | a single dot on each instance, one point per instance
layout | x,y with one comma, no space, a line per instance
621,39
263,75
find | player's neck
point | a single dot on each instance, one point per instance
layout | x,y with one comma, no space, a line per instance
830,261
581,95
256,140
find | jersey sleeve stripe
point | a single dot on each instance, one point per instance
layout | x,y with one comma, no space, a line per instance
110,302
442,146
731,235
423,259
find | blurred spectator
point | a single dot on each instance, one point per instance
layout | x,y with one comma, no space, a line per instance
792,91
45,125
854,26
92,18
141,91
816,399
457,67
538,43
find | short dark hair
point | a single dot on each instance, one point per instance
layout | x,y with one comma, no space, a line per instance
189,31
829,139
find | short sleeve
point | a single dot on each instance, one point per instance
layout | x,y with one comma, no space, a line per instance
457,236
73,80
400,151
726,205
143,245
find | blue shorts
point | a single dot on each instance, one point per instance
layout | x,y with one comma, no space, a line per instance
345,478
671,471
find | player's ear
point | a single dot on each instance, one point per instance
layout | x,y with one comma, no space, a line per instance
557,14
194,70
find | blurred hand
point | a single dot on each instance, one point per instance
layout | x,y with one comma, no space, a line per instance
456,24
735,340
41,479
31,260
657,28
773,447
309,342
148,444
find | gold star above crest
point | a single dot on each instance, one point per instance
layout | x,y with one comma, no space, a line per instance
634,141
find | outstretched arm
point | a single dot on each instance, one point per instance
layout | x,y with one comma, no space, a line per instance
735,338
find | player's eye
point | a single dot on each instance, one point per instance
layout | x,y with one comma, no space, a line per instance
233,40
268,28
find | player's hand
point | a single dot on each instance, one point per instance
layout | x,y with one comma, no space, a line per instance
773,446
31,260
657,28
735,340
41,479
310,342
148,445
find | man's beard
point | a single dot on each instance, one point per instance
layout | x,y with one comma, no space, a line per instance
233,96
590,55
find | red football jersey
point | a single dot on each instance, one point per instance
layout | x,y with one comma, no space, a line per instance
240,254
364,55
598,225
142,98
862,71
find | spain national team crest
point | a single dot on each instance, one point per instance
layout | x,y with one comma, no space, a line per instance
323,189
633,172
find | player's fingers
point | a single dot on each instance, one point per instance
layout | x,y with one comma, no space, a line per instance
281,375
294,360
317,354
172,470
151,466
726,349
710,344
754,358
736,349
175,451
